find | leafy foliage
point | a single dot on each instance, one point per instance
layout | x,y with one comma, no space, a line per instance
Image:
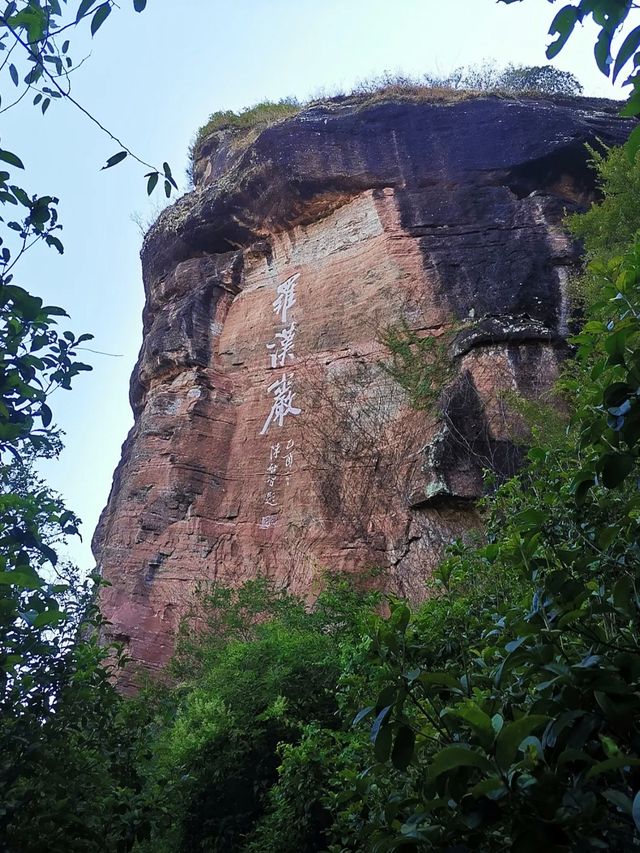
420,364
264,113
544,79
44,606
70,746
251,687
610,226
35,38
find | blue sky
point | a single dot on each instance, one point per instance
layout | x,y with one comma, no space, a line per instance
153,79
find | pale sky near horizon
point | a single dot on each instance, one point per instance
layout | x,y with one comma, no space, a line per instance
153,79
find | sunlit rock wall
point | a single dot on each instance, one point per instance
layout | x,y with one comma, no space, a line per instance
268,438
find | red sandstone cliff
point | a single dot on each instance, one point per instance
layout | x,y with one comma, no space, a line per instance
267,438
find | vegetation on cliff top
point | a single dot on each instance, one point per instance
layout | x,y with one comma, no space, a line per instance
460,84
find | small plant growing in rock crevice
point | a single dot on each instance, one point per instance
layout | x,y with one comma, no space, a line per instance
359,442
419,364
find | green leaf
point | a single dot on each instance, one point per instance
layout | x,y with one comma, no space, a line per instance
635,811
633,145
563,24
512,736
139,5
13,71
400,616
616,763
440,679
152,182
362,713
83,8
632,107
474,716
53,241
623,596
573,756
48,552
101,15
403,748
379,722
493,783
620,800
615,345
615,468
582,490
457,756
22,578
168,175
602,51
49,618
21,195
386,697
616,393
631,428
627,49
115,159
167,189
531,519
8,157
382,745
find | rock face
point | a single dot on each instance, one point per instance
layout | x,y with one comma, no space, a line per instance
268,438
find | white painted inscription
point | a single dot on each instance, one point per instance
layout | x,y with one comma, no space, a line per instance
281,354
286,298
284,348
282,406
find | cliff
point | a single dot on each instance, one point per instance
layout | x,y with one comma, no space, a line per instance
267,436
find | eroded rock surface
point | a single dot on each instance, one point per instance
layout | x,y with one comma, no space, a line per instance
267,437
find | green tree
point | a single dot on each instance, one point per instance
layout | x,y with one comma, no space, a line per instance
42,604
524,734
540,78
